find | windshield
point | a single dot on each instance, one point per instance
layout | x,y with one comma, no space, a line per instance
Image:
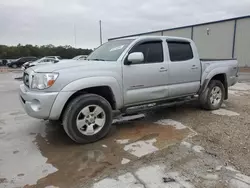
110,51
38,61
77,57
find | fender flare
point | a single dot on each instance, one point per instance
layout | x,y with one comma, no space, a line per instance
209,77
81,84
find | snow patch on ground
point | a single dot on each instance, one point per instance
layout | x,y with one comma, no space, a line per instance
125,141
223,105
240,181
198,149
176,124
124,181
231,169
234,183
104,146
210,177
240,87
153,176
156,176
235,93
141,148
243,178
150,177
218,168
224,112
186,144
125,161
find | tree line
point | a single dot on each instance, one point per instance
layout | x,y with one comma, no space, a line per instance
66,52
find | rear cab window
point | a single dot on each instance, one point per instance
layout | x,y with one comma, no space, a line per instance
180,51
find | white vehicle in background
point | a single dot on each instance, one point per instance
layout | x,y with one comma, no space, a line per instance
58,58
42,61
80,57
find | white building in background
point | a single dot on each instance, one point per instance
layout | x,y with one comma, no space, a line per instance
223,39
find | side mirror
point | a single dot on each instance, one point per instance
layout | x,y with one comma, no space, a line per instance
135,57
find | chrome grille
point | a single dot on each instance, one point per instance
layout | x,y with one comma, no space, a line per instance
26,79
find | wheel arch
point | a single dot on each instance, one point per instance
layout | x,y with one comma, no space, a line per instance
222,77
108,88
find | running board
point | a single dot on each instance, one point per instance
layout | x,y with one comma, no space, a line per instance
153,106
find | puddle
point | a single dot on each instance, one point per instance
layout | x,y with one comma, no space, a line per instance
35,153
21,161
126,142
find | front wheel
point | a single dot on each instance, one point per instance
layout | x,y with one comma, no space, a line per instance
213,96
87,118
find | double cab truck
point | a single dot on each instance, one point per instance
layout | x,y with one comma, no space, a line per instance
126,76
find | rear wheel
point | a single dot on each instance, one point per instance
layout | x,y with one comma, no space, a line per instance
213,96
87,118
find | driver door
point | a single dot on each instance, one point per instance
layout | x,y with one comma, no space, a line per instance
146,81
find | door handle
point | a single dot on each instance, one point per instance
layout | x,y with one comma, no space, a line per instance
163,69
194,67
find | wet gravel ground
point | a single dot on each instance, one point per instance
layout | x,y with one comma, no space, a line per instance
182,146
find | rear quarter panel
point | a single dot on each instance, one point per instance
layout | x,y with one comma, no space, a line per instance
215,67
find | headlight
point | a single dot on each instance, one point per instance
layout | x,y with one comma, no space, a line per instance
43,80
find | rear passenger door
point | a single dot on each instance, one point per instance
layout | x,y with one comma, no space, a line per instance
146,81
184,69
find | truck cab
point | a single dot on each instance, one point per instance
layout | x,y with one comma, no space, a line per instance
163,68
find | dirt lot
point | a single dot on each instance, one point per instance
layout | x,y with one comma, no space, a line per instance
182,146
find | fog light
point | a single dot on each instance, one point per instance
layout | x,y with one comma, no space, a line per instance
35,105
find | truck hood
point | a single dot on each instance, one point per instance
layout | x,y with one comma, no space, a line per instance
67,64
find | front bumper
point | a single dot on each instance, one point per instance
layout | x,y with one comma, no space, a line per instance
37,104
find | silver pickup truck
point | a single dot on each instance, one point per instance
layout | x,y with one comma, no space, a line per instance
127,75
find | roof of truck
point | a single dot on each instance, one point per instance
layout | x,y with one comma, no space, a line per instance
157,37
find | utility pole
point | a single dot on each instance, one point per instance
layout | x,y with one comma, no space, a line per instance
100,23
75,34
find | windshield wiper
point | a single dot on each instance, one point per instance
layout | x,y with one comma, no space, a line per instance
96,59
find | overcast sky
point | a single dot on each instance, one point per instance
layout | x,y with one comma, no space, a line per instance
52,21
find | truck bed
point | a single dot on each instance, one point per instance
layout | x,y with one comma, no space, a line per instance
228,66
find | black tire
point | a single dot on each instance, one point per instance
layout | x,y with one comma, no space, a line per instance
74,108
205,96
